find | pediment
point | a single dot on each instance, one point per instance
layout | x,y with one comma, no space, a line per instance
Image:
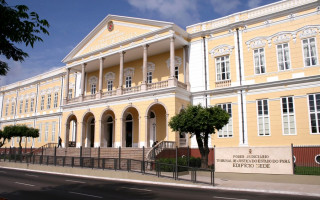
111,31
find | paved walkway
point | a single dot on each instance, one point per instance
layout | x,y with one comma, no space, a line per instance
285,184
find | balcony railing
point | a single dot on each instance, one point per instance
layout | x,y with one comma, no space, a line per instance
224,83
135,89
109,93
157,85
131,89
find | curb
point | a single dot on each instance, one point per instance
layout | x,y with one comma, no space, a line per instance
174,184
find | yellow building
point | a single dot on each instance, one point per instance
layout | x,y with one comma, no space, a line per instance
125,80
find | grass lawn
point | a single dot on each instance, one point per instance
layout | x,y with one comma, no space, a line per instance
301,170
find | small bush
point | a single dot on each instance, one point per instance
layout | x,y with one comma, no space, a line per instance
168,164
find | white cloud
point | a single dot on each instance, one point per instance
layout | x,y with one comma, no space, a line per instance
254,3
223,7
181,12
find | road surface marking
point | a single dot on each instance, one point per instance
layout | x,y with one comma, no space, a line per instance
31,175
75,181
88,195
24,184
228,198
3,172
137,189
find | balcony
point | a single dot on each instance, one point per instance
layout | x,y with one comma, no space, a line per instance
130,90
222,84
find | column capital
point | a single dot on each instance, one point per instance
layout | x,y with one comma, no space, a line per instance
102,59
172,38
145,46
83,65
122,53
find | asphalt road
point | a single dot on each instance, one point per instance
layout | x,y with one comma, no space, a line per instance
22,185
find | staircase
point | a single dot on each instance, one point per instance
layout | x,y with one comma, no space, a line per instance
158,148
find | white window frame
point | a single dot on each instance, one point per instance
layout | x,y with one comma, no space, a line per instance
93,88
309,49
149,76
49,101
55,102
46,132
12,108
128,82
53,131
315,112
26,106
288,115
227,72
7,108
42,103
40,132
31,104
110,85
228,126
265,118
70,94
260,59
283,51
21,106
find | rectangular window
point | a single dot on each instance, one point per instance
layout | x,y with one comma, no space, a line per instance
46,131
226,131
309,52
263,117
40,132
176,72
31,105
110,85
128,81
259,62
20,107
283,56
93,88
26,107
7,108
288,116
12,108
55,103
149,77
53,134
70,94
223,68
314,110
49,101
42,103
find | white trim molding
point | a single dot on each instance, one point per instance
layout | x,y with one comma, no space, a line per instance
129,71
110,76
177,61
221,50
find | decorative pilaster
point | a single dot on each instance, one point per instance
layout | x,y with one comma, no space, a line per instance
100,77
66,87
144,68
83,67
172,80
119,90
186,56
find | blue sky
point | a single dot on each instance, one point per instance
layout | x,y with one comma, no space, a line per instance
71,20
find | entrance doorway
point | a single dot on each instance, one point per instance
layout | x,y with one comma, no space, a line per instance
128,133
153,128
109,132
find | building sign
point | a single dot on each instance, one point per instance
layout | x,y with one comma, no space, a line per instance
266,160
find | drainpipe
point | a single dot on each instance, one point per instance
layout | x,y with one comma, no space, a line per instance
205,68
241,95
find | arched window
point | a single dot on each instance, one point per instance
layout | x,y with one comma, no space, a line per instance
93,84
109,119
93,88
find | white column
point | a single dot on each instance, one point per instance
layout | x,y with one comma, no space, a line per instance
67,86
172,57
83,66
186,73
144,68
100,76
119,90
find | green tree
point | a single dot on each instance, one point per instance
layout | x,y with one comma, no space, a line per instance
201,122
18,25
20,131
3,138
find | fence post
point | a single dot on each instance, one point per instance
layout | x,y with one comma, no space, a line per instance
119,157
64,161
10,154
176,176
143,164
72,162
103,163
212,177
81,156
188,156
5,154
55,156
293,168
15,155
214,157
98,157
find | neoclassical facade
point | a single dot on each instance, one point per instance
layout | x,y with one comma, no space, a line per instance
125,80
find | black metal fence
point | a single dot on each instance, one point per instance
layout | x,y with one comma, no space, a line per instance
174,171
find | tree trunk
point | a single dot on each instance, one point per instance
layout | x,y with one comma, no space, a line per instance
203,148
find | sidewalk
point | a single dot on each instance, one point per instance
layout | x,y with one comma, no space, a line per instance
284,184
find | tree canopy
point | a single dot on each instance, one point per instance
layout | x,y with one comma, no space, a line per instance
20,131
18,25
201,122
3,138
